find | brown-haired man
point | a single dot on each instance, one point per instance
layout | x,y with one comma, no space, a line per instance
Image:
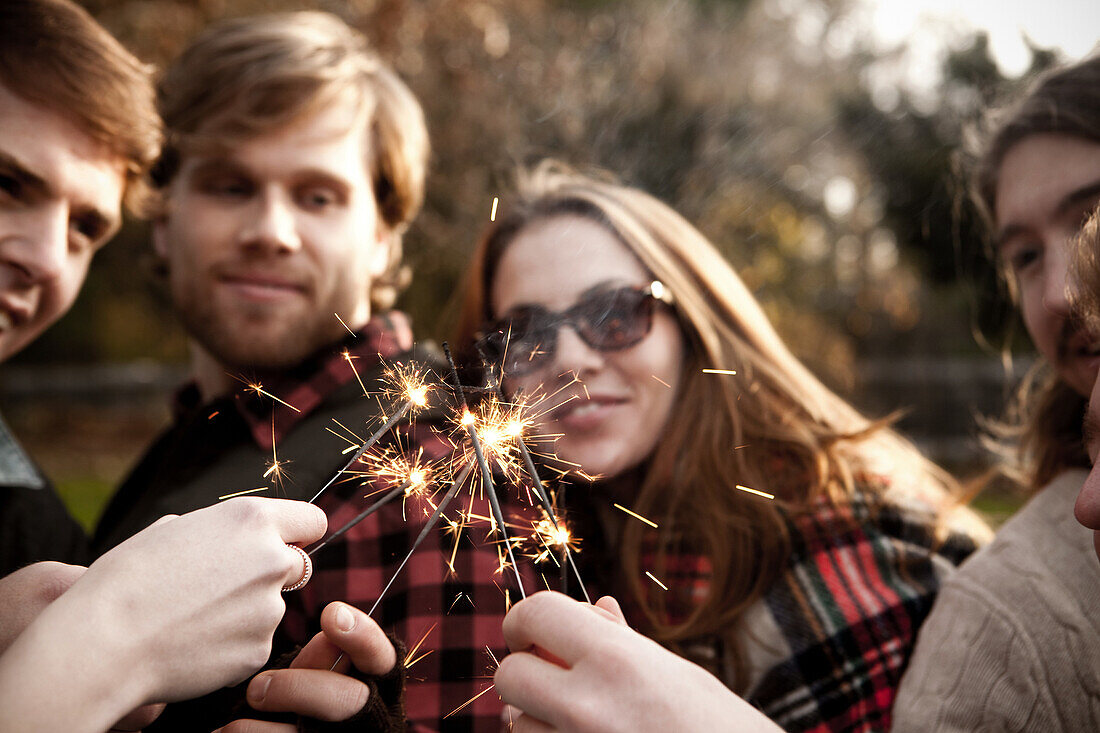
1086,271
1012,640
295,161
78,130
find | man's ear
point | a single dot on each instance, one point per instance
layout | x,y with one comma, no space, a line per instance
386,243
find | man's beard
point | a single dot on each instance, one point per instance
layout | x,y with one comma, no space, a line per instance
273,343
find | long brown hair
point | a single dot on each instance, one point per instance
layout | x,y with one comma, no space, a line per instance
775,405
1039,435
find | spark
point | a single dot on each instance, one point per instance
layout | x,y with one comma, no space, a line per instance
246,491
635,515
409,658
428,527
406,383
754,491
213,414
259,389
654,579
730,372
365,447
458,598
348,358
661,381
493,213
275,468
468,702
353,333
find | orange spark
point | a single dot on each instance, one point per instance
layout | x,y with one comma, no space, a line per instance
468,702
661,381
259,389
654,579
635,515
411,658
348,358
754,491
344,324
246,491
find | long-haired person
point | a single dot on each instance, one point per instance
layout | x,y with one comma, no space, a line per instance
806,604
1013,641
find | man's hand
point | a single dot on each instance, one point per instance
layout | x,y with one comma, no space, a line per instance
311,686
580,668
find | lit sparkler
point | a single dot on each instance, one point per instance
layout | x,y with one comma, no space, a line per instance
428,527
486,475
415,391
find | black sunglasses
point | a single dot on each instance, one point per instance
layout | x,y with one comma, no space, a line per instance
606,320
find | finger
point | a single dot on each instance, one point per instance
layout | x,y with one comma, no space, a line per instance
139,719
257,726
301,569
25,593
297,522
320,653
314,693
534,685
527,724
566,628
165,520
611,608
358,636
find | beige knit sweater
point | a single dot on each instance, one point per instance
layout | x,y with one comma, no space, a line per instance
1013,642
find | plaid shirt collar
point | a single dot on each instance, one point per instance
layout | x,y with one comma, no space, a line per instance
300,390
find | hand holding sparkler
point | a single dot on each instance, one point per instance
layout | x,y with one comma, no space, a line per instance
579,667
320,682
184,607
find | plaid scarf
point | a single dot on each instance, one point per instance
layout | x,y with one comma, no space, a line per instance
827,644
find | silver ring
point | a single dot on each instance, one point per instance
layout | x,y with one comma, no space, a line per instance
307,570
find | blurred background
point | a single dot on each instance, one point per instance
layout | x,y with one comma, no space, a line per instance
814,141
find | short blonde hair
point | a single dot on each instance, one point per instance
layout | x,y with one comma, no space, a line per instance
54,54
245,76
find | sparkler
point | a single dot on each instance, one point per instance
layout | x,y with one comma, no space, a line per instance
486,475
399,489
416,394
432,521
540,492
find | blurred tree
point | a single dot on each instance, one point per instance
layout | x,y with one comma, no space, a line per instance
752,117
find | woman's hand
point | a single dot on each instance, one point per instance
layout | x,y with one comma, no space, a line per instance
186,606
578,667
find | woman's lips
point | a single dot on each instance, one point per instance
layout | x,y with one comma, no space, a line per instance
585,414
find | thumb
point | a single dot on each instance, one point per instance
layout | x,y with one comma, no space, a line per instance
610,608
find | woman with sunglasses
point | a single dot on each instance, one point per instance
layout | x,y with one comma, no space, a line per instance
806,604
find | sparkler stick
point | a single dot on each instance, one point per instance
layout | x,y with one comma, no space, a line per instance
366,446
540,491
432,521
364,514
486,475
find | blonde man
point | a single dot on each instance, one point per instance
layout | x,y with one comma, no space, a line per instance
295,161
